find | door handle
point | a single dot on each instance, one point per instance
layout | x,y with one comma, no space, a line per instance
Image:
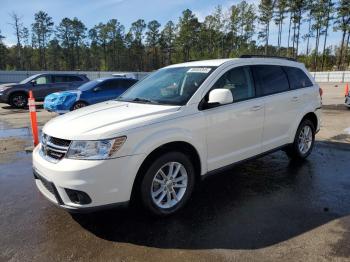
295,98
256,108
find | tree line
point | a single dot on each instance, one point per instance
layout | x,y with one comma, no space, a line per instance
240,29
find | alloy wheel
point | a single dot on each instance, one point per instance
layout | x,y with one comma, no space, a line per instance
305,139
169,185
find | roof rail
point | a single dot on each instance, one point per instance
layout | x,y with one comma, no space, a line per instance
268,56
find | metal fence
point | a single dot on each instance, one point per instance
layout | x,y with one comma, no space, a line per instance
332,76
17,76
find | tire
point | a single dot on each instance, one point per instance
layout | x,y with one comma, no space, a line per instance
156,186
18,100
296,150
78,104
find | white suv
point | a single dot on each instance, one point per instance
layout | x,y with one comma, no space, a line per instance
164,134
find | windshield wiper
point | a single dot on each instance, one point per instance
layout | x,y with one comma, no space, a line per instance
144,100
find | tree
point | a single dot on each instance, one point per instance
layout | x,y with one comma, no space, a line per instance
297,8
266,12
115,34
328,17
281,10
18,32
42,29
318,13
167,41
188,33
342,23
232,26
3,53
152,40
71,34
136,30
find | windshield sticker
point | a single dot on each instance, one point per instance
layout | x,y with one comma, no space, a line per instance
204,70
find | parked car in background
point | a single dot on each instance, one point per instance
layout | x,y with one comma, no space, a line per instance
16,94
181,123
92,92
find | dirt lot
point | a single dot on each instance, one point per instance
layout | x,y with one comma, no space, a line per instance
264,210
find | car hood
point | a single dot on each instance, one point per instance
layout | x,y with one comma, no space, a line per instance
54,96
106,120
8,85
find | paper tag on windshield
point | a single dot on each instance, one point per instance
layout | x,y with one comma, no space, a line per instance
204,70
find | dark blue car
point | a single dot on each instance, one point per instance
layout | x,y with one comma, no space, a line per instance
93,92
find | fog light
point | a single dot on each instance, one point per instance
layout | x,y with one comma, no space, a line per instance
78,197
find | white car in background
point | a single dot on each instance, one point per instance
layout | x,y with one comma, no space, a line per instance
179,124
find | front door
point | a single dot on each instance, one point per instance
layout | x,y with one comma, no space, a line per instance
41,86
234,131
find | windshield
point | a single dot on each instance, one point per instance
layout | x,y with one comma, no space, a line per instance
170,86
89,85
28,79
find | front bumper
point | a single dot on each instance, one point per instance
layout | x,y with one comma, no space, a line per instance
3,98
107,182
347,101
52,104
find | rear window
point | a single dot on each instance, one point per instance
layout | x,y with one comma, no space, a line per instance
73,79
271,78
297,78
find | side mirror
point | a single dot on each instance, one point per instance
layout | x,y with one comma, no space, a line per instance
96,89
33,82
220,97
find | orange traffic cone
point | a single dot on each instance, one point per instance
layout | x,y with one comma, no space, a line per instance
32,111
347,89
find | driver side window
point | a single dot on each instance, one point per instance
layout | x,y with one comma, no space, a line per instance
239,81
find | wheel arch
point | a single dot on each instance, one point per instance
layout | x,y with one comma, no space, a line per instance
14,92
179,146
309,115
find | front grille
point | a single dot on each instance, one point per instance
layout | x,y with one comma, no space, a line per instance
53,148
59,141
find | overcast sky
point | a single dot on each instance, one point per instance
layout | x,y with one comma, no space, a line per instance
92,12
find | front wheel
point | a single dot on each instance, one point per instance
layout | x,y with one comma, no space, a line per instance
79,104
168,183
303,142
18,100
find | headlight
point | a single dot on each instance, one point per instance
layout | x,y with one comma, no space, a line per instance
95,150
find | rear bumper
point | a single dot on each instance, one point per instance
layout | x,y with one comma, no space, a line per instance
318,114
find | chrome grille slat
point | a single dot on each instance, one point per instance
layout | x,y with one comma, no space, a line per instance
54,149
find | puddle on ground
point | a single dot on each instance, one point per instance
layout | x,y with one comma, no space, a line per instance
15,132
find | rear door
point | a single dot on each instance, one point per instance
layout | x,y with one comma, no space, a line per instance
280,109
59,83
299,83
